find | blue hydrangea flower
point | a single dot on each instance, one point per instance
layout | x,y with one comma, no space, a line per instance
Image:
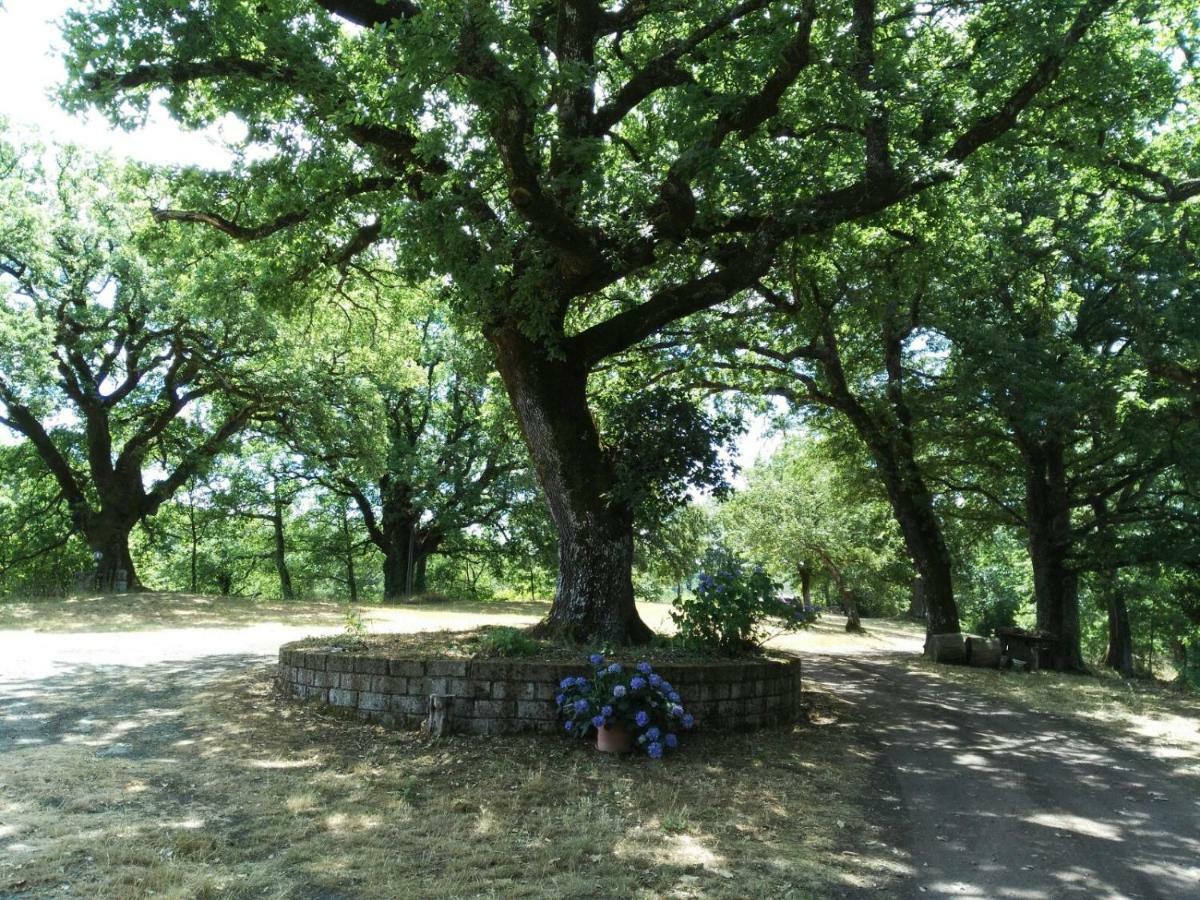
644,667
606,711
570,726
642,718
655,750
673,696
619,690
596,659
581,683
656,680
672,740
637,682
598,721
666,685
653,734
559,699
688,720
614,669
581,705
567,682
676,710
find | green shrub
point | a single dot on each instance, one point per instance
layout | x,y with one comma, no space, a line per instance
506,641
730,604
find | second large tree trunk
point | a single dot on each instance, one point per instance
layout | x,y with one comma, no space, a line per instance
1048,520
1120,637
594,598
912,507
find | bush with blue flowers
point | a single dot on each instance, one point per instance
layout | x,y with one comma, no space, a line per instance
636,697
730,605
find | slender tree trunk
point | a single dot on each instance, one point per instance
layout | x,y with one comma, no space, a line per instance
805,585
1120,637
348,545
280,550
594,597
195,540
1048,518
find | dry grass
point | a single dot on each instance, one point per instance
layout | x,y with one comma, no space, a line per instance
155,610
123,775
1151,715
227,790
828,635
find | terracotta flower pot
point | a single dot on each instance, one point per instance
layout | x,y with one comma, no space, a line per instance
614,739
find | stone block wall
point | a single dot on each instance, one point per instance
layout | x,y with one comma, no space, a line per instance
513,696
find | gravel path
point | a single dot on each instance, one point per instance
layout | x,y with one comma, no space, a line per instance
1000,803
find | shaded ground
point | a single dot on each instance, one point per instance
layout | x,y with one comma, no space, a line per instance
156,759
997,802
161,762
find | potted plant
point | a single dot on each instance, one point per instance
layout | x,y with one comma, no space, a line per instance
626,708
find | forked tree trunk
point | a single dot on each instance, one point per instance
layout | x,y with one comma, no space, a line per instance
805,571
594,597
1048,521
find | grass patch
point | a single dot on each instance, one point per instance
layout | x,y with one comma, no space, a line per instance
224,789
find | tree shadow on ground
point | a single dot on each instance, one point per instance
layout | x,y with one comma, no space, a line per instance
1002,803
195,778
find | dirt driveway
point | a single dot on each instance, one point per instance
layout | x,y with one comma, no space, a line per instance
994,802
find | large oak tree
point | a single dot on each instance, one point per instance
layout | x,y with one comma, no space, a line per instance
117,369
583,174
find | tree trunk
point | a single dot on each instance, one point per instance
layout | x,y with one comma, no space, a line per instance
805,585
850,605
1120,638
1048,520
348,543
889,441
916,603
280,550
420,581
594,597
194,561
912,507
108,537
398,522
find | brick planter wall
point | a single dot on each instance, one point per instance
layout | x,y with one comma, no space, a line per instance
511,696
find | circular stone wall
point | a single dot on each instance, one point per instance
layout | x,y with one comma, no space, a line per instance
501,696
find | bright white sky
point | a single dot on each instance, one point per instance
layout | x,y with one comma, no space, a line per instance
30,70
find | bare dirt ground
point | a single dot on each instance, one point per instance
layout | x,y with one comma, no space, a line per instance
143,752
